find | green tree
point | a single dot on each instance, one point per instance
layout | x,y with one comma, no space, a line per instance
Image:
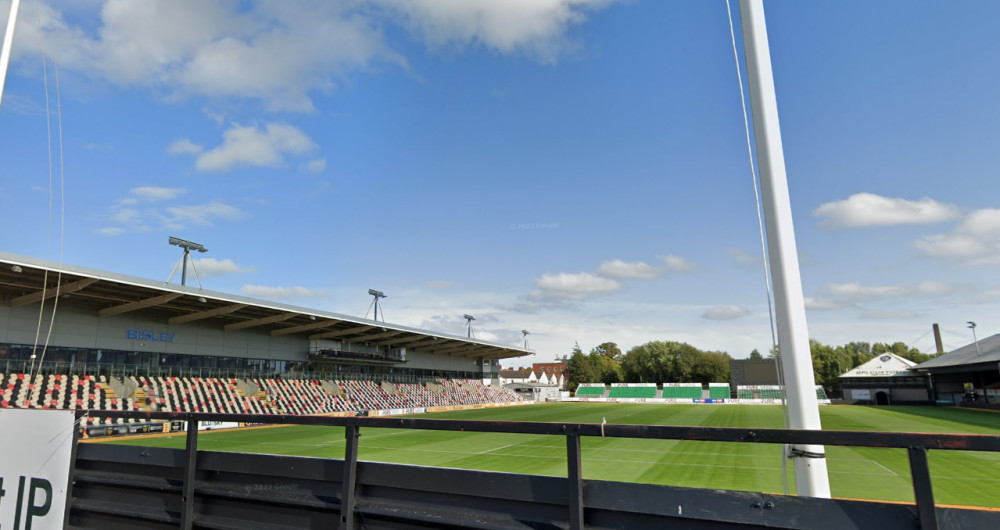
609,350
755,354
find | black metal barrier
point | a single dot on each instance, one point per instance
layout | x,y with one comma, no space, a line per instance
118,486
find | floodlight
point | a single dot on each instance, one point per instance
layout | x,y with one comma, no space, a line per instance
377,294
972,325
469,318
16,268
188,246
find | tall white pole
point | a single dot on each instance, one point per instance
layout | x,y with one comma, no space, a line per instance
8,40
793,333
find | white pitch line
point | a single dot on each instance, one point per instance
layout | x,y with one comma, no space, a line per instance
646,462
885,468
496,448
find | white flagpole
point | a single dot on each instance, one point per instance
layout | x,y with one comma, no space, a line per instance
8,40
793,332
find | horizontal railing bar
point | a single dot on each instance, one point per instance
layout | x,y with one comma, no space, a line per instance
963,442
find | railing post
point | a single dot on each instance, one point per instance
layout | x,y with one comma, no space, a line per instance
575,476
347,486
190,473
923,492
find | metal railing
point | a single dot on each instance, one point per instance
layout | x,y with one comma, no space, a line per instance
916,445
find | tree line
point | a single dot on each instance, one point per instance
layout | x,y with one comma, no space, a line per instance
678,362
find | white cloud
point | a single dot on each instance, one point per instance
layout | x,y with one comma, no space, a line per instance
731,312
826,304
857,291
868,209
574,286
154,193
281,292
249,146
889,315
534,27
439,284
744,258
200,214
279,53
314,166
623,269
975,241
209,267
678,264
183,146
109,231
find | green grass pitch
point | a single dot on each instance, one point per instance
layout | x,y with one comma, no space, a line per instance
960,478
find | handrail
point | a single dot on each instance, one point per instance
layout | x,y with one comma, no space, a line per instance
916,444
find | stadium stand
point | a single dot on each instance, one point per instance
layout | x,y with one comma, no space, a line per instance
770,392
682,390
634,392
719,391
224,395
591,390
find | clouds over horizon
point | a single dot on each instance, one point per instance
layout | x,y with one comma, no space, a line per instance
281,293
868,209
730,312
564,286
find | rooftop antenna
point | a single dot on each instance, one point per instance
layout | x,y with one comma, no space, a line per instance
188,246
377,295
972,326
525,333
468,323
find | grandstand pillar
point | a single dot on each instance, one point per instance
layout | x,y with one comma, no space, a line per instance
190,474
575,476
793,333
349,482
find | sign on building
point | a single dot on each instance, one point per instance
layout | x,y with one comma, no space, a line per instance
36,447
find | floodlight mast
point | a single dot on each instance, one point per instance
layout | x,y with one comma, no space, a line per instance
972,326
188,246
377,295
468,322
525,334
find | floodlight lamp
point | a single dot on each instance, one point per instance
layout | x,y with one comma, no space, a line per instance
468,317
187,245
202,299
972,325
16,268
312,317
378,294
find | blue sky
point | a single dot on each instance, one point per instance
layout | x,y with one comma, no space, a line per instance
576,168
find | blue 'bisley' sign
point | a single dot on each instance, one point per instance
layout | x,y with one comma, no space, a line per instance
145,334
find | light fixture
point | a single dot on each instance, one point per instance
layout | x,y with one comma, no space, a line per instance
16,268
188,246
202,300
312,317
377,295
469,318
972,326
